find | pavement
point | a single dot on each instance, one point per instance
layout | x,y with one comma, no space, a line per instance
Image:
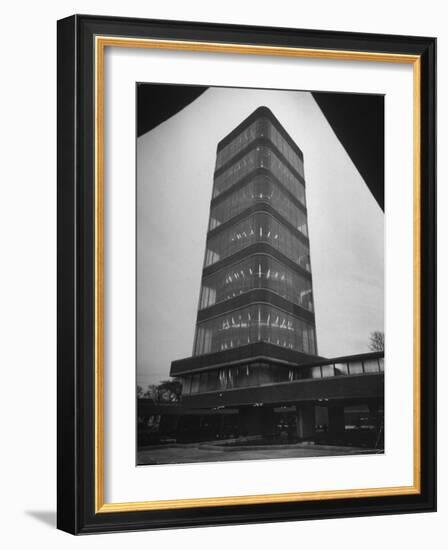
210,452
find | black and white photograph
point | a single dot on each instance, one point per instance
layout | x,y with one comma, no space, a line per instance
219,280
260,274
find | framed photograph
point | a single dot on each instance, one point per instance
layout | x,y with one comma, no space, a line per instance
246,274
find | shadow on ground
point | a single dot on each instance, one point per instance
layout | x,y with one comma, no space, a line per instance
48,517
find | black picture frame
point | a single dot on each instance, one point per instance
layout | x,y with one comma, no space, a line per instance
76,475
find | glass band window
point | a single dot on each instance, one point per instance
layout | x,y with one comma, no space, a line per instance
287,151
259,157
256,374
255,323
236,172
261,127
241,141
260,189
270,160
258,271
259,227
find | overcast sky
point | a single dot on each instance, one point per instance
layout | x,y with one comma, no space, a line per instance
175,164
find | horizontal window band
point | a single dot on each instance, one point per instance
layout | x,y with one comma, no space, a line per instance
263,207
261,351
321,391
260,171
258,271
258,296
258,266
249,352
256,248
188,363
259,113
258,142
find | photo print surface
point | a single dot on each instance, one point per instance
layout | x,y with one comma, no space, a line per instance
260,274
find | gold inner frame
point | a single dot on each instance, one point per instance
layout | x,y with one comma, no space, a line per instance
101,42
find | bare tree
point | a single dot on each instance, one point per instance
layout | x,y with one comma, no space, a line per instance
376,341
170,390
165,391
152,393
